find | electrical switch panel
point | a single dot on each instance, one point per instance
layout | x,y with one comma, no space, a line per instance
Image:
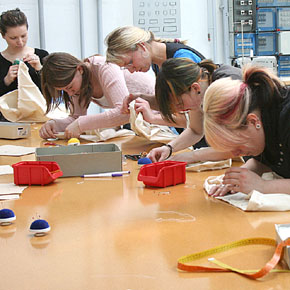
242,16
161,17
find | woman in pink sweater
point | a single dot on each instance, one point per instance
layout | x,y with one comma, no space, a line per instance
66,79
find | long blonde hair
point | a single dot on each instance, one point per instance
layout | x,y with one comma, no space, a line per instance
126,38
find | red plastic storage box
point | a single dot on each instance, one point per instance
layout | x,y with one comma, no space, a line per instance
36,172
162,174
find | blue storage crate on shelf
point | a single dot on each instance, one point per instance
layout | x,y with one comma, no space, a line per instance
282,2
283,18
265,3
266,43
266,19
284,66
245,44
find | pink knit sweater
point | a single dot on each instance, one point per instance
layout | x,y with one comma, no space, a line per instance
116,84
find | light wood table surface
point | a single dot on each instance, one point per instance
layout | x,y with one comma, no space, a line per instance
113,233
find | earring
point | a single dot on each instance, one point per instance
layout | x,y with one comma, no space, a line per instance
258,126
198,92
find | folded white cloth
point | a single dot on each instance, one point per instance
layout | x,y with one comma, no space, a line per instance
255,200
209,165
98,135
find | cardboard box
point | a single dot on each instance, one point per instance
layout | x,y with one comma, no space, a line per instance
83,159
283,233
10,130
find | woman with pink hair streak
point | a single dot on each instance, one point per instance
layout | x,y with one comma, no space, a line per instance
250,118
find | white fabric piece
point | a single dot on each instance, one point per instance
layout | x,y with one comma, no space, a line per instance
12,150
255,200
26,104
6,169
98,135
151,132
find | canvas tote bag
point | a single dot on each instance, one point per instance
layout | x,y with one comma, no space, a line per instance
26,104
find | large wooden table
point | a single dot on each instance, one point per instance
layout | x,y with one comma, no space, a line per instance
113,233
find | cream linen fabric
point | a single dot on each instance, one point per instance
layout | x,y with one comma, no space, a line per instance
255,200
209,165
26,104
152,132
99,135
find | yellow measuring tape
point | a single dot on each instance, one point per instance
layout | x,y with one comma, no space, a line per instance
253,274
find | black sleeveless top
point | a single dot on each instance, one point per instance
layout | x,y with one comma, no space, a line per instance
171,48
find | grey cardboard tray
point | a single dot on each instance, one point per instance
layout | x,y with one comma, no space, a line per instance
11,130
83,159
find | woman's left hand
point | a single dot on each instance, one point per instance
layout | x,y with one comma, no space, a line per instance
239,179
34,61
73,130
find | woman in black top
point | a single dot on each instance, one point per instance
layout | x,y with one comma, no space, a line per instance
250,118
14,30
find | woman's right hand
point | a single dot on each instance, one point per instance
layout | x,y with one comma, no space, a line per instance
11,74
159,154
48,130
127,100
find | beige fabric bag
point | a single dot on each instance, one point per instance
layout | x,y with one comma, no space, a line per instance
255,200
151,132
26,104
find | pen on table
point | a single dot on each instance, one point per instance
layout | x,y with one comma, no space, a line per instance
107,174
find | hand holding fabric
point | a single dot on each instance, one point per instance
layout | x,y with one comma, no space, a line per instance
73,130
11,74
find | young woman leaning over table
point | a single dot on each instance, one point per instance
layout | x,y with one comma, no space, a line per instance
250,118
138,50
77,83
180,86
14,30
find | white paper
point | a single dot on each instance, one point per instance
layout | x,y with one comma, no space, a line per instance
12,150
6,169
9,197
10,188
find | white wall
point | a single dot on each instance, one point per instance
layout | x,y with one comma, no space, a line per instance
194,26
30,8
62,29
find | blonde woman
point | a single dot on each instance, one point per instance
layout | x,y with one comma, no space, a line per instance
136,49
250,118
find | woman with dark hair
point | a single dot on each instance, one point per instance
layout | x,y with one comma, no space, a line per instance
14,30
180,86
77,83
